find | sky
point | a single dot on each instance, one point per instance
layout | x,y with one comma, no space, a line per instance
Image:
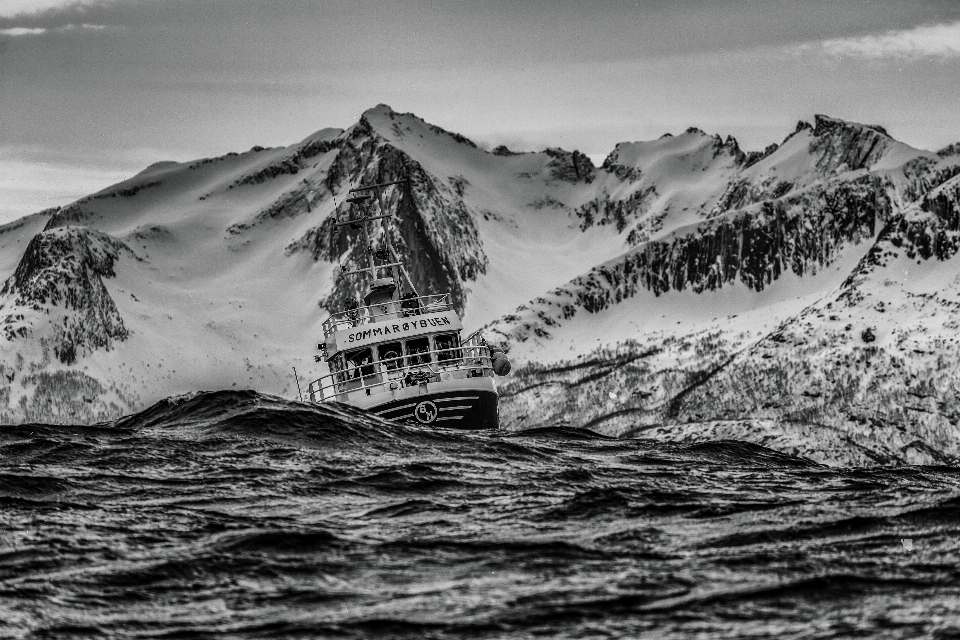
93,91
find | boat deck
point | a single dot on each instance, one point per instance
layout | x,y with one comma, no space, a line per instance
470,359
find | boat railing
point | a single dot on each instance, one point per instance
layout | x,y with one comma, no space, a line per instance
472,357
390,310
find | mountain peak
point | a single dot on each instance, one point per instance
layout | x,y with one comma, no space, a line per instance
394,126
380,110
825,124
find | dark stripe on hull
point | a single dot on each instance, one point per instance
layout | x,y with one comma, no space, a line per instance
459,409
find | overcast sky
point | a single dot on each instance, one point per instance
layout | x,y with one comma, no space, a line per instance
93,91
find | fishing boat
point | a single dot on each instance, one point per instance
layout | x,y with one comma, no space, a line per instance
395,352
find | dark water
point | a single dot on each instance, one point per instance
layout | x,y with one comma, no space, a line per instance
233,515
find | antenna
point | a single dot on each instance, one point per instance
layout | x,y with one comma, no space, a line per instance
333,235
297,378
363,200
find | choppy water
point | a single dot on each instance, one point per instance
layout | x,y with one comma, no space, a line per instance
233,515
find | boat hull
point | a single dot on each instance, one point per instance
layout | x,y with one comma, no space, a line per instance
476,409
458,404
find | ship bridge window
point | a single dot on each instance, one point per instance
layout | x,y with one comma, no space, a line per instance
418,351
389,355
448,347
359,363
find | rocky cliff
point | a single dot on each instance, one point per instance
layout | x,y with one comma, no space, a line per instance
218,273
435,232
863,371
758,229
61,275
684,287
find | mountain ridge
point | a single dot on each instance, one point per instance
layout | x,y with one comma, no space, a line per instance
217,273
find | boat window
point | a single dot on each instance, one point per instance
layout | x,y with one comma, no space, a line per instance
389,355
417,350
359,363
448,347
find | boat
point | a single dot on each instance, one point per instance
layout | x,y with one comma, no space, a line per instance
399,354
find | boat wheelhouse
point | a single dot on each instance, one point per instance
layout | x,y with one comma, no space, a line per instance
400,354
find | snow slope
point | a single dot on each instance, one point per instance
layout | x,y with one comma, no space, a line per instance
218,273
650,275
855,365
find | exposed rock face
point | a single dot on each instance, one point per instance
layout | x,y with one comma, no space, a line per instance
838,143
796,234
285,166
437,234
64,268
761,226
646,184
924,174
754,157
462,139
605,210
291,164
662,221
799,234
610,165
949,150
835,147
743,192
570,166
864,375
880,377
72,214
935,235
290,205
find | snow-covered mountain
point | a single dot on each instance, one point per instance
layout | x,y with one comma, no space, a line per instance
649,291
811,311
218,273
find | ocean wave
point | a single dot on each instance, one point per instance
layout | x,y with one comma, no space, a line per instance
235,514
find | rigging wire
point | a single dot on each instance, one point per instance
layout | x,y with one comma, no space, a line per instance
334,234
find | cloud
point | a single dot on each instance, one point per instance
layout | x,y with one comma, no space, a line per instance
925,41
22,31
13,8
37,31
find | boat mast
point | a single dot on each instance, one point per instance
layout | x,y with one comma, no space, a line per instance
362,200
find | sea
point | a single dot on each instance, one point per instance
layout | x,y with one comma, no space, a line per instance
240,515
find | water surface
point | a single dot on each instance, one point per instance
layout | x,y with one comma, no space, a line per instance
236,515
